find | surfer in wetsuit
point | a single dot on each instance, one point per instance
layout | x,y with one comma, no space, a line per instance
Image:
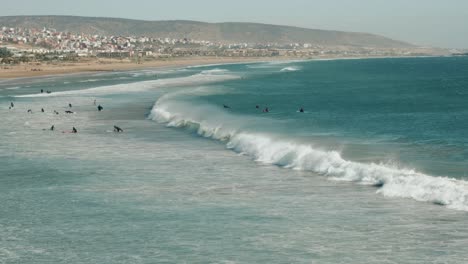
74,130
42,110
42,90
70,105
29,111
301,110
257,106
117,129
226,106
266,110
52,128
99,108
12,104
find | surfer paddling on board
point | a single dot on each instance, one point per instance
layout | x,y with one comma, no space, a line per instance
301,110
117,129
99,108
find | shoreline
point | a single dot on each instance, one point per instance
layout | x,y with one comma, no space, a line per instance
32,70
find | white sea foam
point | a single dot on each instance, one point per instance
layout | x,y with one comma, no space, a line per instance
270,149
291,68
215,71
197,79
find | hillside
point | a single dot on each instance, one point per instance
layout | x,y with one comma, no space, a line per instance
219,32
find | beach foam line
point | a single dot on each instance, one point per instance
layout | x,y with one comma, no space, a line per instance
197,79
272,149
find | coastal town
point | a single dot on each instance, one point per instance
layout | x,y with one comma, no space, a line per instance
23,45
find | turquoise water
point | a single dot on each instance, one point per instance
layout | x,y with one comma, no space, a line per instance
373,171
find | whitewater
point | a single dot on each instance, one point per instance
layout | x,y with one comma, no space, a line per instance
272,149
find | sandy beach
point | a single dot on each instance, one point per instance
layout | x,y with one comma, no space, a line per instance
96,65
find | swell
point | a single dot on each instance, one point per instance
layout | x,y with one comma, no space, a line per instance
209,121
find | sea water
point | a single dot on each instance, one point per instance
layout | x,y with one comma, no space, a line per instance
373,170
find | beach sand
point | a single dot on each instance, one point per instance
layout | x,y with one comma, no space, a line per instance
95,65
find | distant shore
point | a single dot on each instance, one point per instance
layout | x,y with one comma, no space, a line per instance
109,65
36,69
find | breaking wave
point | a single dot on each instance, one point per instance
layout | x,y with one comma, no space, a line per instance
291,68
204,77
392,181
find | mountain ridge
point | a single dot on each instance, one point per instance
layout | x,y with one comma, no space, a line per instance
223,32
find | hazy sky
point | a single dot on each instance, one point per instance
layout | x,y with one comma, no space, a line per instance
442,23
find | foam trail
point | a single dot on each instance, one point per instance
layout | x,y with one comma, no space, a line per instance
271,149
197,79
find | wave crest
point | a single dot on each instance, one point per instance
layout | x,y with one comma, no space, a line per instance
290,69
270,149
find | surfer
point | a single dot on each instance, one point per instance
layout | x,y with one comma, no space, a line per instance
42,110
69,112
266,110
74,130
117,129
52,128
48,92
69,105
257,106
29,111
100,108
42,90
226,106
12,104
301,110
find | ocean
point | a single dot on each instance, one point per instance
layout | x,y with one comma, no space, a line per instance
322,161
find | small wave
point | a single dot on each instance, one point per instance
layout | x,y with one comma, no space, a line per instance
392,181
214,71
91,80
13,88
290,69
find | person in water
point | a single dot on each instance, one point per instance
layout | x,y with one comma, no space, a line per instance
42,90
99,108
266,110
69,105
74,130
52,128
117,129
69,112
29,111
226,106
12,104
301,110
257,106
42,110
